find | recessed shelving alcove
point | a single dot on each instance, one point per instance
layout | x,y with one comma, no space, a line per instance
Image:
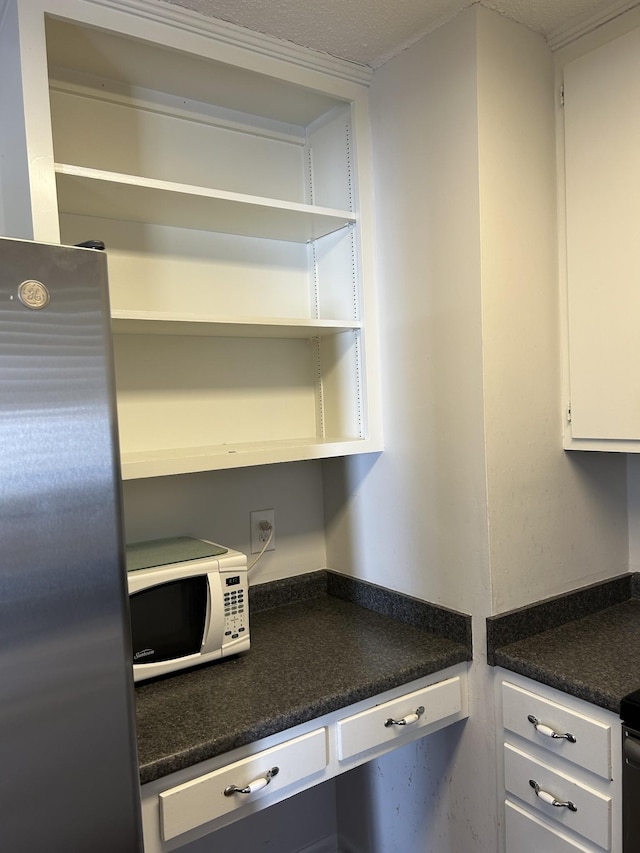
232,190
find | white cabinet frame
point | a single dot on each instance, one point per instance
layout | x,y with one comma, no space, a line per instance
445,697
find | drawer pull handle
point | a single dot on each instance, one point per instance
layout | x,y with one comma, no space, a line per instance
547,731
252,787
546,797
409,720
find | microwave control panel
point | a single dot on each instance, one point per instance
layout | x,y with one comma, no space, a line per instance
236,607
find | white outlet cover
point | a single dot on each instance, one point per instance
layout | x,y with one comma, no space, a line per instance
256,516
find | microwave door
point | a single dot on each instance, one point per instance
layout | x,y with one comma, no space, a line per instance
168,620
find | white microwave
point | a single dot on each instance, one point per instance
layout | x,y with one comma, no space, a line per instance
189,604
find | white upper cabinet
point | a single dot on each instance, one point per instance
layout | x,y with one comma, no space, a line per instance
601,117
230,182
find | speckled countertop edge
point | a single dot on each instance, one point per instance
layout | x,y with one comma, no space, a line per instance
312,653
583,643
403,608
516,625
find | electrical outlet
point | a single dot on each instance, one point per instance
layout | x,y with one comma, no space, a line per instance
259,534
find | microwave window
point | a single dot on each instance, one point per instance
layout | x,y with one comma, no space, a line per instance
168,620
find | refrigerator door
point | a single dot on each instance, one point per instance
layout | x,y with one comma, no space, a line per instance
69,774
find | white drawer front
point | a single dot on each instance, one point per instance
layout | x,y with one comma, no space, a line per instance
592,747
367,729
592,819
525,833
200,800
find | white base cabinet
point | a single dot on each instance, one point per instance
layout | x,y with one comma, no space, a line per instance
230,181
195,802
560,770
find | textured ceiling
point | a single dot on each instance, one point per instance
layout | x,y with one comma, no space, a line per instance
371,31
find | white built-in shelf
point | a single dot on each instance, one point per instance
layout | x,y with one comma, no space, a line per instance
112,195
162,323
186,460
223,181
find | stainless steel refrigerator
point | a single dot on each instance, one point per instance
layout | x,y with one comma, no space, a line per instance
68,763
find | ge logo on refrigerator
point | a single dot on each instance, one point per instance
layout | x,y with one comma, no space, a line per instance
33,294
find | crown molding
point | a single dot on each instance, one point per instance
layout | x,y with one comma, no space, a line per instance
565,35
242,37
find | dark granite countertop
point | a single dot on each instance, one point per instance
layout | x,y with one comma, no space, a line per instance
584,643
318,643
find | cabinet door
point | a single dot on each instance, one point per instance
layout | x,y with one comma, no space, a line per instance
233,786
602,165
586,810
396,721
583,740
525,833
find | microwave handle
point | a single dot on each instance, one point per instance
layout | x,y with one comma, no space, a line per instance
215,613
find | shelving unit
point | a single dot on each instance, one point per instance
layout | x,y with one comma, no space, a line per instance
231,188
